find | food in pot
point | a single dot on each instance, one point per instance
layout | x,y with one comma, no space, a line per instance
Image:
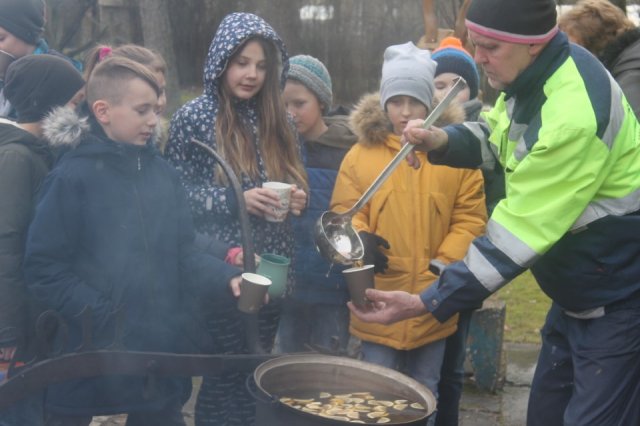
357,407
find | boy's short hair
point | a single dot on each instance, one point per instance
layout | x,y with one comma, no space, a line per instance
108,79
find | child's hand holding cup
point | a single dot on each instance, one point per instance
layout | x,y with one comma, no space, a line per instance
284,194
253,292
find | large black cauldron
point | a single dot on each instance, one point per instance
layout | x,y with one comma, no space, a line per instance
299,374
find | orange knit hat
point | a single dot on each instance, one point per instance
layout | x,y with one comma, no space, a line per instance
451,43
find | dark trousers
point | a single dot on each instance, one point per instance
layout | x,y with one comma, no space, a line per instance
26,412
224,400
452,373
588,372
314,324
171,415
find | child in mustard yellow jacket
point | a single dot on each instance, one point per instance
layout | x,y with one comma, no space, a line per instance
417,216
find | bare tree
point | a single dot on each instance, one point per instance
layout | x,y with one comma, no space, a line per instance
64,27
622,4
158,35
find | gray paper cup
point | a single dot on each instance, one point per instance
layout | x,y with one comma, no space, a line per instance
358,280
253,288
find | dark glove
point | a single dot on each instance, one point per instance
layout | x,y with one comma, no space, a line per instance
372,253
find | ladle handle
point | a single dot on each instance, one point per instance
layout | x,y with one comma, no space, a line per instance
407,148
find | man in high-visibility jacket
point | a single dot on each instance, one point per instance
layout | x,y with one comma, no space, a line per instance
570,147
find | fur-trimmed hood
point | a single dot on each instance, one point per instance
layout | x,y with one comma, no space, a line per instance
372,126
65,127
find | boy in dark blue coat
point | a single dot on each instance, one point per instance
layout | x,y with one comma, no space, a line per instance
315,312
112,230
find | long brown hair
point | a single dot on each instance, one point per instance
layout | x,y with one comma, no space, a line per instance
276,140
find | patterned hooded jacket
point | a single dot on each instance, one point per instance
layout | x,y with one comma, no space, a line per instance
214,206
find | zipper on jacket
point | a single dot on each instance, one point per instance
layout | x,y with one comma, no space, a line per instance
151,284
416,208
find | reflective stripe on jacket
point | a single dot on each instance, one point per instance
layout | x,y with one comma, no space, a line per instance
568,142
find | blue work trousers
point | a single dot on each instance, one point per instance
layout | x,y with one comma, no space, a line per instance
588,372
452,373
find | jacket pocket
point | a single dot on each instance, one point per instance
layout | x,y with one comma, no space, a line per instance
439,215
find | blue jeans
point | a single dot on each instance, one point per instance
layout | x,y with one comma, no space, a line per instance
316,324
452,373
27,412
422,364
588,371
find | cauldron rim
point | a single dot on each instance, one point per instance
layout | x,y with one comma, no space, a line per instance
411,386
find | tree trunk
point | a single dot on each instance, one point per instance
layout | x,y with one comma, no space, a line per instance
430,23
622,4
158,35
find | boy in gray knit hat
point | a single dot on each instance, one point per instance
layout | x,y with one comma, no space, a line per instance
316,309
417,216
401,78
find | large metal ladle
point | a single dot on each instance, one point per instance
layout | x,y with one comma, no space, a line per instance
335,238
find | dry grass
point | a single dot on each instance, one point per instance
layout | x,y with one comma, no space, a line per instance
527,307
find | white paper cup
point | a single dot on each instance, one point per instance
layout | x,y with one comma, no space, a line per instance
284,193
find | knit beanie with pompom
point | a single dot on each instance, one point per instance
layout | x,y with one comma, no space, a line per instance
453,58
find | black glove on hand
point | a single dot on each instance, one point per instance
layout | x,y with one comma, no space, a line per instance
372,254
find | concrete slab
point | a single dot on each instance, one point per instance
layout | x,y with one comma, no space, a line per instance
507,407
514,406
521,362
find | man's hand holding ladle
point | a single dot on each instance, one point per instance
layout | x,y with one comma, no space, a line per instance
431,139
